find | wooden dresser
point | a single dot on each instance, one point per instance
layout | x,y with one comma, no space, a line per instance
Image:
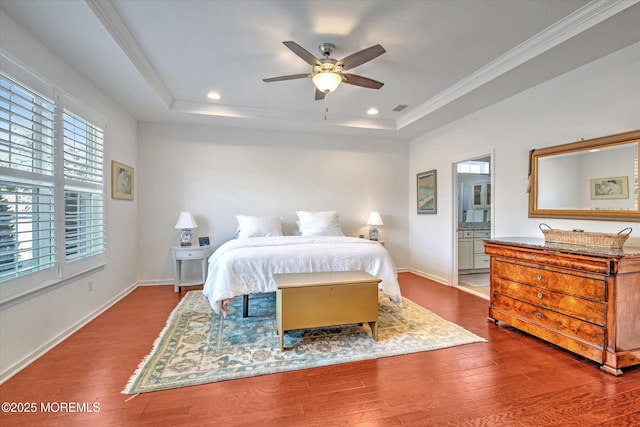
583,299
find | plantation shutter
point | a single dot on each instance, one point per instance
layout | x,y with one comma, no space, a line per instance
27,239
52,206
83,188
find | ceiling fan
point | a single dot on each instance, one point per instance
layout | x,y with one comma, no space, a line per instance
327,73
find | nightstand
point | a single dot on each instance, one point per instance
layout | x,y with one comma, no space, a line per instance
189,253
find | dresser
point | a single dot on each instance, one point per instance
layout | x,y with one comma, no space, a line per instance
583,299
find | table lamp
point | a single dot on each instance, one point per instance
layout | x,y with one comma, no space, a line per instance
186,222
374,220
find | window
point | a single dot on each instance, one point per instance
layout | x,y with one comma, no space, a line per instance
83,193
51,187
474,167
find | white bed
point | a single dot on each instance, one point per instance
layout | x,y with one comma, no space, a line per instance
246,266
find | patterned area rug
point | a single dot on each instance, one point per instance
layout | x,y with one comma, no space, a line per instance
198,347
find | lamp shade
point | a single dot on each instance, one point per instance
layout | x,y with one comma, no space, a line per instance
186,221
327,81
375,219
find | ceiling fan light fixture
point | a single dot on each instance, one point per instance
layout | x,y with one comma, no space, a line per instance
327,81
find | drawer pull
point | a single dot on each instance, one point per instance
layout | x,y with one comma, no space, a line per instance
539,295
539,276
539,315
534,255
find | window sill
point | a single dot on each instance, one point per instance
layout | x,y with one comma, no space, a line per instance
47,286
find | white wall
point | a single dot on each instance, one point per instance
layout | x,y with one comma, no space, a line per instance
217,173
598,99
30,325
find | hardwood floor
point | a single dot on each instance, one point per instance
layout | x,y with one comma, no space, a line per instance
513,380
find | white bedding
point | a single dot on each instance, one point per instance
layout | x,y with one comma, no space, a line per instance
246,266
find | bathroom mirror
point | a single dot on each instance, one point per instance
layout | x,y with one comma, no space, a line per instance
592,179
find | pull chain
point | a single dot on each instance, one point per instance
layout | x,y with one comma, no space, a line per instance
326,106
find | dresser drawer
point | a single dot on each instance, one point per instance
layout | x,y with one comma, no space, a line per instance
550,319
575,345
589,311
581,263
580,286
190,254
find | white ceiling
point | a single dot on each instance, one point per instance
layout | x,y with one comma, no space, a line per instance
444,59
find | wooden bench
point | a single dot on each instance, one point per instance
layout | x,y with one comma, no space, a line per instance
311,300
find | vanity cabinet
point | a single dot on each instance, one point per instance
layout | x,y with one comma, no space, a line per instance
582,299
471,255
480,258
465,249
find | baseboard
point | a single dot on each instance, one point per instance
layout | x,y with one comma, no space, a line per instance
430,276
36,354
159,282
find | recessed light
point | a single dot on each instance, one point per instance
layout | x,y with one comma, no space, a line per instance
372,111
213,95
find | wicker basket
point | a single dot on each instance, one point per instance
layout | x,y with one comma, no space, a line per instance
609,240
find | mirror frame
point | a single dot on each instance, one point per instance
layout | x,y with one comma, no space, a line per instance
601,215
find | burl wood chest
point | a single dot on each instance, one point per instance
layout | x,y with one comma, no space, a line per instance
583,299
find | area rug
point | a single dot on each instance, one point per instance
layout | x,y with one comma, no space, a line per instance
198,347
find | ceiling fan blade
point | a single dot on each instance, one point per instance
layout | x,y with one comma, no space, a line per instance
361,57
356,80
302,53
290,77
319,95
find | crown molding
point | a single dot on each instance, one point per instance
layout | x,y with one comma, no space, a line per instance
113,23
581,20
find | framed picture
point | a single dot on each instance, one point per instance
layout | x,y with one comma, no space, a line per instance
427,186
616,187
121,181
203,241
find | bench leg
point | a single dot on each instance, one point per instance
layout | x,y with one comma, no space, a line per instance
374,330
245,305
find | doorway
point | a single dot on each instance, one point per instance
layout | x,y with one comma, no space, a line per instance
473,202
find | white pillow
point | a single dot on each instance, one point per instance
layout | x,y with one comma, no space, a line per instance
326,223
258,226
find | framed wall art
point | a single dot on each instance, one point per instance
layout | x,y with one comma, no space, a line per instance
427,186
616,187
121,181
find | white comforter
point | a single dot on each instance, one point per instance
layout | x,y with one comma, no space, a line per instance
246,266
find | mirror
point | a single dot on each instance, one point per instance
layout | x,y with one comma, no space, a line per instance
593,179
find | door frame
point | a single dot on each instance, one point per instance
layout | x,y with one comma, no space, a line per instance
456,204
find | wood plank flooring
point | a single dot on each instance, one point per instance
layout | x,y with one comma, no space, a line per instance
513,380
